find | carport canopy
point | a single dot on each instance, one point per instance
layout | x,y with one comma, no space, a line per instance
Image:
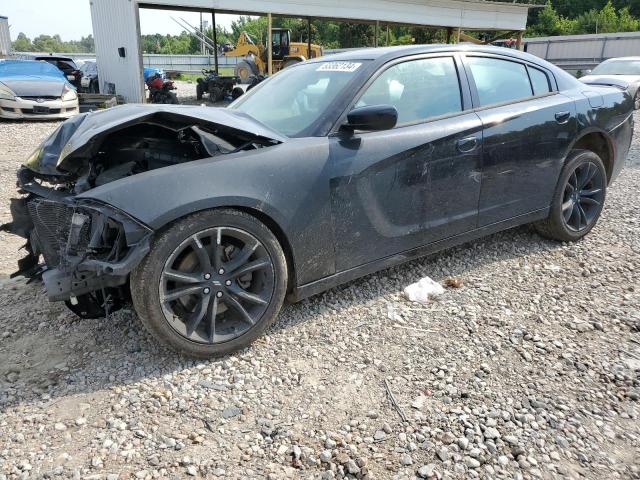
116,24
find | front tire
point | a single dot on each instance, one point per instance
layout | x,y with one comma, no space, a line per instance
578,199
211,284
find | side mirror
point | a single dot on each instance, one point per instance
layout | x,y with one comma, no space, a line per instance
372,118
586,72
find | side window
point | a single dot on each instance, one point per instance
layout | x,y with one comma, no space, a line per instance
540,81
419,89
499,81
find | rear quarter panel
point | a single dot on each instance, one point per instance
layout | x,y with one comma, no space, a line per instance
607,110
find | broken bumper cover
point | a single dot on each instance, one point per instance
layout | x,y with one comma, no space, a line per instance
86,245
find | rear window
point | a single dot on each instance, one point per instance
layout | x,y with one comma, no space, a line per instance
499,81
539,81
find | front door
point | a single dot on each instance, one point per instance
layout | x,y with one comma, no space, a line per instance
399,189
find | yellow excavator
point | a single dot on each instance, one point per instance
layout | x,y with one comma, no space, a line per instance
284,53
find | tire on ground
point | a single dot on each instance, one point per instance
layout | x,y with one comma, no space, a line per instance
145,281
554,227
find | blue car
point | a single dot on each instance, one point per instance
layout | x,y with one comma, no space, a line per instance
35,89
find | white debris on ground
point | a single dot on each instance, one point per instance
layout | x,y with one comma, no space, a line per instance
423,290
530,369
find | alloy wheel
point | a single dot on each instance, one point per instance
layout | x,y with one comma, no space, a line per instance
216,285
583,196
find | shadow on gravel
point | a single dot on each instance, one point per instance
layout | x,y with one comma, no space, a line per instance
46,353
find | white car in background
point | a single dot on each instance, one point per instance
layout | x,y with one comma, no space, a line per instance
31,89
622,72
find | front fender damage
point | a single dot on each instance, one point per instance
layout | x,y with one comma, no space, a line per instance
87,246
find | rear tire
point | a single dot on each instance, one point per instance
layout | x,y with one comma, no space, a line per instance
578,199
636,100
172,98
199,91
237,92
243,301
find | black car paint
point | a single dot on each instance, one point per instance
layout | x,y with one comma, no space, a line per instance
349,203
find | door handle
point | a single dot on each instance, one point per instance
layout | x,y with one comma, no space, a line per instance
563,117
466,145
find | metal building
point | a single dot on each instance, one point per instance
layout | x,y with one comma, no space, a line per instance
5,37
581,52
116,24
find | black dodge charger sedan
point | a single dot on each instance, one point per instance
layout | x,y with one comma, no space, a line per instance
207,218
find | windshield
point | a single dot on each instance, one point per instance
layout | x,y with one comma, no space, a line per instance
618,67
294,100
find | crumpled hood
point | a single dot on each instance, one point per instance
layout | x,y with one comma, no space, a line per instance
622,81
79,138
30,86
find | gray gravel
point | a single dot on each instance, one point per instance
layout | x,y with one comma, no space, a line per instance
531,369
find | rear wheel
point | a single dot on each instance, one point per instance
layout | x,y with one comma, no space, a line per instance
172,98
211,284
237,92
216,94
578,199
199,91
636,100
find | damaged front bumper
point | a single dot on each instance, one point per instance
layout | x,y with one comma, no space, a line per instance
87,246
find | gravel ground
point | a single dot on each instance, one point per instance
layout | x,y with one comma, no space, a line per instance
530,370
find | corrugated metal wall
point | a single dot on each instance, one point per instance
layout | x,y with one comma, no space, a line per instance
5,38
116,25
579,52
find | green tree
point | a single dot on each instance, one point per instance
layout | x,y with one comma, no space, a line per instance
23,43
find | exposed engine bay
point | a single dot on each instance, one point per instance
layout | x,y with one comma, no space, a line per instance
83,249
148,146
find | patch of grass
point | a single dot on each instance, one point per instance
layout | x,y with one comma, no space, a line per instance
224,71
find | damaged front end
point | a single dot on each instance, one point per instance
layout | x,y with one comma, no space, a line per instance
84,249
88,248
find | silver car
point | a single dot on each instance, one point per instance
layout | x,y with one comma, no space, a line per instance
623,72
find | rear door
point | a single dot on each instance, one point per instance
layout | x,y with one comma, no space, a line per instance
528,127
395,190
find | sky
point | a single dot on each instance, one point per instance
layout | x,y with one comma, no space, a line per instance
71,19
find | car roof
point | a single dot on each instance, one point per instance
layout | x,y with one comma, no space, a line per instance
384,54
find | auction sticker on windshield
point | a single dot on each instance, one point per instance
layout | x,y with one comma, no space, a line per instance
338,67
